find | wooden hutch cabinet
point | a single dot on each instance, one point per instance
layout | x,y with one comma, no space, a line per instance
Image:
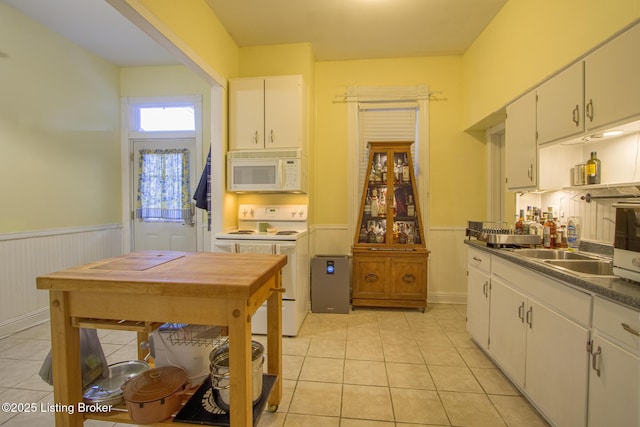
389,253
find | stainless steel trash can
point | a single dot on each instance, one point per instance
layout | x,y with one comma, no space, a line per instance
330,283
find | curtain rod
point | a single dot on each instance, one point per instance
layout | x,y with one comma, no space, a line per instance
390,97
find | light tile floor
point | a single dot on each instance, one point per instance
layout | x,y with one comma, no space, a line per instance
371,367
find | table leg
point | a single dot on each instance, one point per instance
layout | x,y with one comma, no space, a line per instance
274,342
240,367
65,356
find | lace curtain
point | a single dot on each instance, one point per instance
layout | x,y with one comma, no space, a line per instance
163,187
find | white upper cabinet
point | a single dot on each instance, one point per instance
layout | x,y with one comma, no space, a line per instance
521,145
561,105
612,85
267,112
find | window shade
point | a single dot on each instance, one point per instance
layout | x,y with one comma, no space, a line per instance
385,121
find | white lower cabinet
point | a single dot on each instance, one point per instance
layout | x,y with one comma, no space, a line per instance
538,335
614,380
478,291
556,375
541,351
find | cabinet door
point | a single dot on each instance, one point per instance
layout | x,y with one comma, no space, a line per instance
507,329
560,111
557,365
246,114
478,306
409,278
612,90
614,393
284,112
370,277
521,145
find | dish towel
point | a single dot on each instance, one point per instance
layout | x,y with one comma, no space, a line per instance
202,195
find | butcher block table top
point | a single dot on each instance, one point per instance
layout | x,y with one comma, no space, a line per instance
207,274
201,288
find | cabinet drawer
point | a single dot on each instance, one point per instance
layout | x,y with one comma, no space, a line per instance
617,321
561,297
479,260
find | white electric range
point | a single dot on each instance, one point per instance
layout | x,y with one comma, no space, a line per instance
284,232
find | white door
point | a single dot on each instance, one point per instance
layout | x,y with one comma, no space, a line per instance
557,365
174,230
507,329
478,307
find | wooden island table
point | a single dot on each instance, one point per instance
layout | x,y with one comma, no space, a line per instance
200,288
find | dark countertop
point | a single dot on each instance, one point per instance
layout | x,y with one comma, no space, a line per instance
616,289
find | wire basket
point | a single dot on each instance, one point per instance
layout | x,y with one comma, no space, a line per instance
194,335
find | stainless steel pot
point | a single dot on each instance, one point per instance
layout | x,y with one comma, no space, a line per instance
220,373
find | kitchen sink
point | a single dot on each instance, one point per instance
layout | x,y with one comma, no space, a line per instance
552,254
591,267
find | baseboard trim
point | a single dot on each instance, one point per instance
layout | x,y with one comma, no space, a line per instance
446,298
23,322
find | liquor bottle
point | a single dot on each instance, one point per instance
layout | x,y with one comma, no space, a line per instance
367,205
410,235
363,235
375,206
378,169
405,170
398,170
402,236
593,169
520,223
371,236
549,231
384,172
382,203
411,208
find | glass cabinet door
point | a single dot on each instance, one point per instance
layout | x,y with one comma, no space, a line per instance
389,213
405,212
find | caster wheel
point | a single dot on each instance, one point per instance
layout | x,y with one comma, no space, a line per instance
273,408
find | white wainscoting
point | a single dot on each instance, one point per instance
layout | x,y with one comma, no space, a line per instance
447,265
447,270
24,256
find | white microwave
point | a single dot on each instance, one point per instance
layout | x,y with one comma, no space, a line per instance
266,171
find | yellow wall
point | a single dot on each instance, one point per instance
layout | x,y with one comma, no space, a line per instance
194,22
59,131
456,163
530,40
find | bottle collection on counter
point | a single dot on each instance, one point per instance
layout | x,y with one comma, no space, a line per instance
555,234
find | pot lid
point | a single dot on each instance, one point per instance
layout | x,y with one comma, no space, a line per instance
155,384
109,389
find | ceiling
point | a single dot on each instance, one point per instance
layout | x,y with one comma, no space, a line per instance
337,29
359,29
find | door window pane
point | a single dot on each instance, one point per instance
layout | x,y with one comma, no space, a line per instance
163,186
